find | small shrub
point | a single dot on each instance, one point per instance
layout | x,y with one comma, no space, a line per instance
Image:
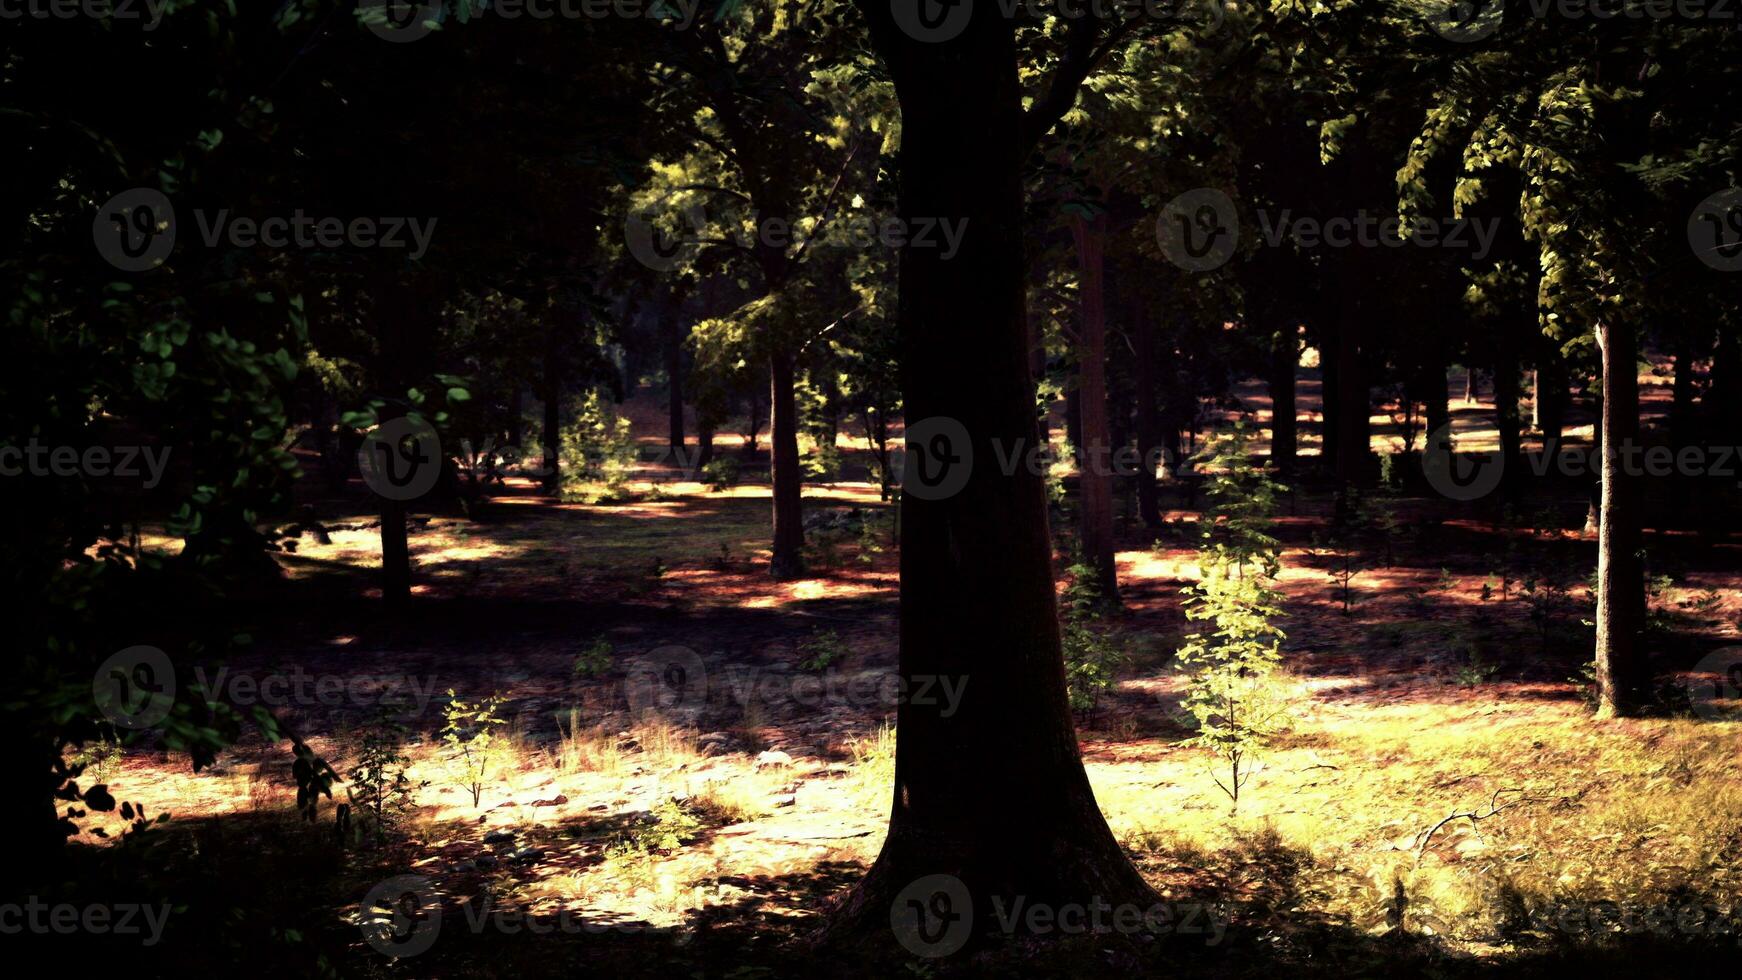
594,660
381,791
821,650
1093,651
475,744
598,453
721,473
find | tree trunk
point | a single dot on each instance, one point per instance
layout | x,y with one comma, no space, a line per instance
551,435
674,382
1284,358
1507,416
395,554
1095,461
1329,405
1354,406
1436,413
1622,674
993,794
704,445
1552,393
1681,414
783,472
1148,421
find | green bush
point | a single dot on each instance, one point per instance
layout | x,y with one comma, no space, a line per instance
597,453
721,473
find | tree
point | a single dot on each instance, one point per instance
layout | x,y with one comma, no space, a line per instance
1004,808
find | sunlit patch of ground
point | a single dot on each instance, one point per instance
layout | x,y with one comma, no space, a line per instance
1431,696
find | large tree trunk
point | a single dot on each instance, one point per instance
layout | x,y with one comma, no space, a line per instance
992,795
783,471
1622,675
1095,461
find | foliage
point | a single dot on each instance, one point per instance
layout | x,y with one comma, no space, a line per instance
598,453
1242,502
475,744
721,473
821,650
593,660
1232,693
380,788
1093,649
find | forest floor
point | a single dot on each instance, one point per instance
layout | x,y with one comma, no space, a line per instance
1433,668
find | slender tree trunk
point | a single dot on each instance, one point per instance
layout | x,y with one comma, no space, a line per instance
1074,419
1328,406
1148,421
752,425
1284,358
1623,677
1436,413
1507,417
1095,472
674,381
783,472
993,794
551,434
1552,393
704,444
1681,414
1354,406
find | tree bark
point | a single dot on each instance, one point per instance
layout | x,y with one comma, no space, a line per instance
1284,358
1681,415
1354,406
993,794
551,434
1095,460
674,382
1436,414
1148,420
1622,674
1507,416
783,472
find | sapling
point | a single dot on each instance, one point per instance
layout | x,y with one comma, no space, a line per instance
474,747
